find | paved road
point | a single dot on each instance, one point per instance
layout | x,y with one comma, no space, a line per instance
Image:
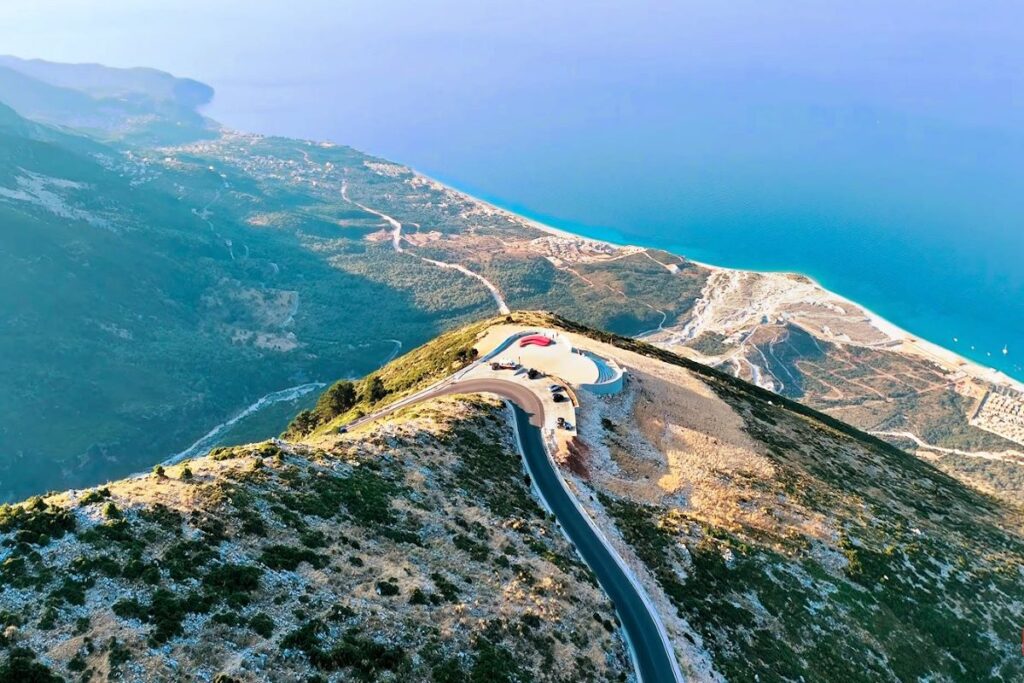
654,662
652,655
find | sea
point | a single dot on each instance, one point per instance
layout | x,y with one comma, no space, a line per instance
877,147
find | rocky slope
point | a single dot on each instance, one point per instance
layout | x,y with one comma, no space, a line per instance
414,552
776,542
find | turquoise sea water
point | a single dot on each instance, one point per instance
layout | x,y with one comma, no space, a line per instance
878,149
875,146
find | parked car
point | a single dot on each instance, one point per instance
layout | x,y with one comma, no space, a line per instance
343,430
556,387
558,398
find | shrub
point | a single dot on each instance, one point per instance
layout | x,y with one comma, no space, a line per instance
185,558
313,539
94,496
21,667
36,525
387,589
138,569
77,663
233,582
531,620
374,390
110,511
159,471
166,612
262,624
164,517
303,423
70,591
448,589
366,657
288,557
186,473
493,663
226,618
338,399
49,619
223,453
117,654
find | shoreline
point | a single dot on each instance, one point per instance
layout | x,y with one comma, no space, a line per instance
912,343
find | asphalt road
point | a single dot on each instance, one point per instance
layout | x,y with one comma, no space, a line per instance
653,661
652,656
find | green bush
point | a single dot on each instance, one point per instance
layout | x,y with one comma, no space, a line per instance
21,667
137,569
49,619
387,589
184,559
94,496
36,525
366,657
165,612
262,624
70,591
374,390
338,399
447,589
117,654
232,582
289,557
303,423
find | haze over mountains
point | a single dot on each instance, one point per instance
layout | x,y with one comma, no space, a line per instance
162,275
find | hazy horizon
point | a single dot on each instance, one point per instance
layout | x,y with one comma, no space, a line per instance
874,147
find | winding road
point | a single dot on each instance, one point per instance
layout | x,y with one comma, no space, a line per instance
652,654
396,242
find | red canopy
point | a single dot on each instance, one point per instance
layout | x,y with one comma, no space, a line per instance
536,339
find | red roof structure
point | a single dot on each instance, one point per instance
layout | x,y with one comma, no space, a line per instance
536,340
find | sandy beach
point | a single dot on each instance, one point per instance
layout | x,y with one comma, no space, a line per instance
907,342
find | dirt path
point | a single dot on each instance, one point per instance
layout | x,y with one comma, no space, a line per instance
396,242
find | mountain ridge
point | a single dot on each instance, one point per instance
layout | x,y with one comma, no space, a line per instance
772,539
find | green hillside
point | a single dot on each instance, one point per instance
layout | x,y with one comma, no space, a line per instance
134,321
